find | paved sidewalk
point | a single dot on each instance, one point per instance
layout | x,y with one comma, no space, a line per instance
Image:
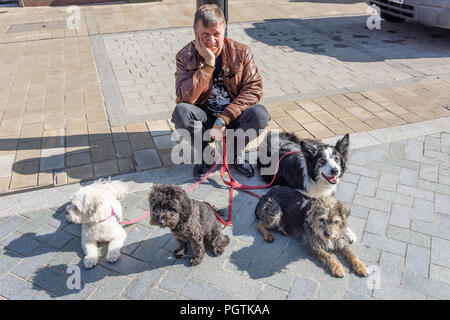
399,194
92,102
76,105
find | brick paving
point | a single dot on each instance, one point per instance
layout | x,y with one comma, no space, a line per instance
81,104
399,194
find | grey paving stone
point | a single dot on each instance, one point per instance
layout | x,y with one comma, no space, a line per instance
295,259
135,238
156,256
6,164
429,172
423,210
19,243
391,292
125,265
79,294
51,280
377,222
440,252
391,268
358,211
237,284
350,178
143,283
158,294
44,295
272,293
177,276
393,168
331,288
378,152
13,288
417,260
11,224
355,296
8,260
61,259
442,203
439,273
384,244
435,187
388,181
409,236
367,186
359,156
147,159
363,171
37,222
302,289
53,237
400,216
394,197
416,193
359,284
368,202
198,290
111,288
430,228
29,265
408,177
432,288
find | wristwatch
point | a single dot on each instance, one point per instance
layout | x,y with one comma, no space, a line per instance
220,122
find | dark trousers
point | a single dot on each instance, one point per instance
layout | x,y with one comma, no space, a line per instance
186,115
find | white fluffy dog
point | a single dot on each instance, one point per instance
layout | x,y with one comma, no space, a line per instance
96,207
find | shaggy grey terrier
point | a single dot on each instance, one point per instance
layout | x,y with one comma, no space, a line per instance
320,223
189,220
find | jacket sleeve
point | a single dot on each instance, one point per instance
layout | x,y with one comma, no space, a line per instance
251,89
188,86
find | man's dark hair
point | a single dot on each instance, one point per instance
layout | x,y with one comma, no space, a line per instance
210,15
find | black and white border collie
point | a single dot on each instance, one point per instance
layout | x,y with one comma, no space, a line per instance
314,168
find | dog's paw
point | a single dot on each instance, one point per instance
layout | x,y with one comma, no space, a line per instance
113,256
361,270
338,271
351,236
269,237
218,251
90,262
179,253
195,261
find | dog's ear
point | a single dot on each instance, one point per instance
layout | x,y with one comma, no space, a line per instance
342,146
342,209
308,148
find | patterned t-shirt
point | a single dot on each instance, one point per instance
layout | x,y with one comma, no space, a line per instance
219,97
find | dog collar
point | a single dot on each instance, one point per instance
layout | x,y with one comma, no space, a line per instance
113,214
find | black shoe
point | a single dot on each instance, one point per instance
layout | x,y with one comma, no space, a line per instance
244,167
200,170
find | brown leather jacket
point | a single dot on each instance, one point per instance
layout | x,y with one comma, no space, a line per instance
239,72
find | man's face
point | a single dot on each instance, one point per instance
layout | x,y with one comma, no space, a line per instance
212,36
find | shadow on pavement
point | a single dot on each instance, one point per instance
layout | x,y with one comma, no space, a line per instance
348,38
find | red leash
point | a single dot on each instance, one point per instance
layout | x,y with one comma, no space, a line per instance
232,184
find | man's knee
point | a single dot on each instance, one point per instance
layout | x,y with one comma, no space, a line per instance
180,115
256,117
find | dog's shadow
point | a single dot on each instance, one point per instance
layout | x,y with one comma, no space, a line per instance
52,259
276,259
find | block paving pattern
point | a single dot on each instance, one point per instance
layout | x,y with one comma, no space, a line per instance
399,194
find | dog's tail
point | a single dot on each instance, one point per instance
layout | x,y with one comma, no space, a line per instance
117,188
